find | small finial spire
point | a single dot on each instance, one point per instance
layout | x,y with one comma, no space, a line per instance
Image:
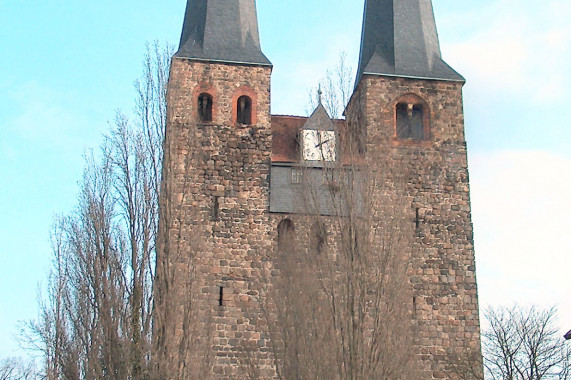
319,93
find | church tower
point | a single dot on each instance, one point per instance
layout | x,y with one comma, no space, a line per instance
215,192
408,104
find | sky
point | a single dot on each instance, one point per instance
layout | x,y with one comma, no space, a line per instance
67,66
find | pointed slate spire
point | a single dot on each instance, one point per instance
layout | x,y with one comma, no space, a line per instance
399,38
221,30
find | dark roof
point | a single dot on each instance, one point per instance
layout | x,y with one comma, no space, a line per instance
568,335
399,38
221,30
319,119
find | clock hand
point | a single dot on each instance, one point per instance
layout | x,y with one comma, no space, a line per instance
321,143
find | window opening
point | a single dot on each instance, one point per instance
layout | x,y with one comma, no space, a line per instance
205,107
244,115
318,237
410,121
286,235
296,176
354,242
216,208
221,296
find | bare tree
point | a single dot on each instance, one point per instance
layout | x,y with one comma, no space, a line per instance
334,89
467,364
341,300
181,333
524,344
17,369
105,314
45,336
96,319
339,305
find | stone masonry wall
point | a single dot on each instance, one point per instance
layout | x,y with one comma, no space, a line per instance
433,175
219,233
216,194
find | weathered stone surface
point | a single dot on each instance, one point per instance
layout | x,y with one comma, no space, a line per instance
220,233
433,174
230,162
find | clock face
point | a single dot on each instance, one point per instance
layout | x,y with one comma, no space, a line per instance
318,145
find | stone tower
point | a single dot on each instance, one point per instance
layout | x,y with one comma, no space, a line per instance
233,172
409,102
215,190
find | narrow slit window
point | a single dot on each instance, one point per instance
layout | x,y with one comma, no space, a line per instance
318,237
244,114
355,245
221,296
216,208
205,107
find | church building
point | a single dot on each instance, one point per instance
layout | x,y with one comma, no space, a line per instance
240,184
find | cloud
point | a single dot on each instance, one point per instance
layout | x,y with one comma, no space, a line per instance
521,219
41,115
39,119
508,47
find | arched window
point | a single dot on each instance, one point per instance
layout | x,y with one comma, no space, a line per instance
286,235
244,108
318,237
205,107
410,119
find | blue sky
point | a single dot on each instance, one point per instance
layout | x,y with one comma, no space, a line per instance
67,66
